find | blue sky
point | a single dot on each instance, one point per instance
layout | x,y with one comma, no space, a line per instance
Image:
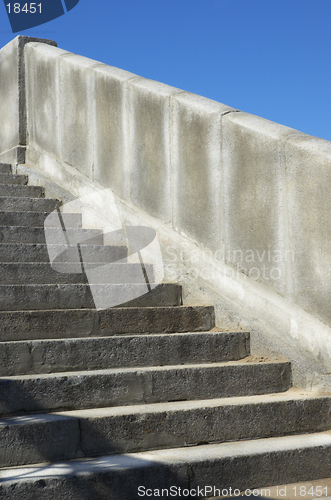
270,58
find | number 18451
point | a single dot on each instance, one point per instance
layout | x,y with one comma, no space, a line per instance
31,8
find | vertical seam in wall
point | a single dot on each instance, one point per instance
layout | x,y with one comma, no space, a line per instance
127,168
127,164
285,217
222,194
21,94
173,178
171,159
58,104
93,120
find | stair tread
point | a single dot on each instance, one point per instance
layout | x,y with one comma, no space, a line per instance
139,369
169,457
177,406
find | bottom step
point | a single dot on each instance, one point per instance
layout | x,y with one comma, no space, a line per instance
196,472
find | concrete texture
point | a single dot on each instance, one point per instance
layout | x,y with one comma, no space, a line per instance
30,234
42,273
76,112
149,135
308,173
21,325
21,191
78,296
13,179
111,156
241,465
155,426
5,168
130,386
196,168
254,222
50,356
62,253
19,204
225,180
36,219
13,97
43,96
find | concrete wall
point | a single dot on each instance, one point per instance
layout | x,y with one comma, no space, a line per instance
13,130
247,199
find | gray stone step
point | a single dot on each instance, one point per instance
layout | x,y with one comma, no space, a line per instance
74,296
131,386
5,168
37,219
30,252
22,325
26,234
13,179
14,273
22,191
87,433
19,204
51,356
206,470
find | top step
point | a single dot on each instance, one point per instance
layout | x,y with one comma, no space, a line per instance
13,179
5,168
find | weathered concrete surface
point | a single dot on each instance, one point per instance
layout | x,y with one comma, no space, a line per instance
130,386
21,191
196,168
39,252
79,296
76,112
13,179
241,208
111,156
308,176
5,168
47,356
254,220
13,98
21,325
149,128
79,433
19,204
241,465
43,96
37,219
42,273
38,438
28,234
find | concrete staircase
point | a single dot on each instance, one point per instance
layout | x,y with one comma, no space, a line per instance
96,404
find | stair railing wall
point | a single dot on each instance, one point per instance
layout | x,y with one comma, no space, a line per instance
250,197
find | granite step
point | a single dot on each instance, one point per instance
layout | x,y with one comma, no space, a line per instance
86,433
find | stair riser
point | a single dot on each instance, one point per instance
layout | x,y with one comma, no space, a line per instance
72,296
11,204
22,325
13,179
37,219
138,386
33,273
22,234
121,479
22,191
5,168
61,437
16,252
21,358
